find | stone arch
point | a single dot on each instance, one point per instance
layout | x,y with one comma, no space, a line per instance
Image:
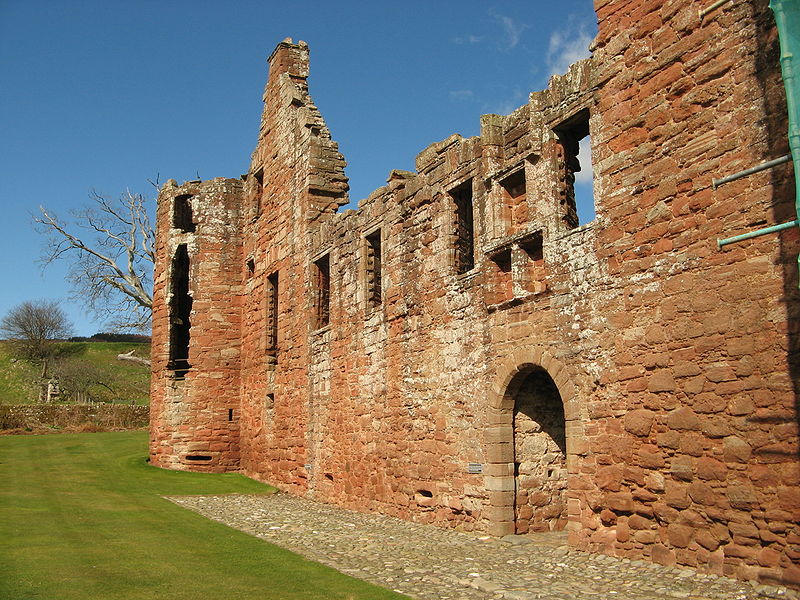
500,468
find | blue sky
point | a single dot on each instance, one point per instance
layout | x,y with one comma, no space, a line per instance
107,95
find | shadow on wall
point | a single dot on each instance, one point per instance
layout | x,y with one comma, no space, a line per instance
783,208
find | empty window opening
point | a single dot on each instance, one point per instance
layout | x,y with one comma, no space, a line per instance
329,476
251,267
230,414
575,164
464,227
272,314
424,494
180,309
515,202
372,267
258,192
501,285
322,287
270,402
532,273
198,457
182,214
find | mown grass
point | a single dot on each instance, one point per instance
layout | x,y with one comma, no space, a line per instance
81,516
19,379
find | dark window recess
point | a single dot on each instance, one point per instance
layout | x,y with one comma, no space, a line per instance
570,133
533,275
515,204
503,260
198,457
271,316
322,287
230,414
500,282
182,214
270,403
372,259
180,309
251,267
258,192
424,494
464,227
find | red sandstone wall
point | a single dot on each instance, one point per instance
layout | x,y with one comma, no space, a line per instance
693,453
670,358
195,420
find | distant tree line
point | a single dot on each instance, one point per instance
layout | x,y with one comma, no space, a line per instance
113,337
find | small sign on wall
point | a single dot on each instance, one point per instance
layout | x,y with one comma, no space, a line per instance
474,468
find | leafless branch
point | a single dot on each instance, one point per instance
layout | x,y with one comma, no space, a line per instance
110,247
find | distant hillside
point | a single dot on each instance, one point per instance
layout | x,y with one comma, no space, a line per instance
91,369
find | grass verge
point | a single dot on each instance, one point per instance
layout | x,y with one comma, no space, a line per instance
81,516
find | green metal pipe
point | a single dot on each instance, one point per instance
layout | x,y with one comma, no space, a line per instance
713,7
763,166
757,232
787,19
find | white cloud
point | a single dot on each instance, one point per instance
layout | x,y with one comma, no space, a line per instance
585,160
568,46
512,31
461,94
468,39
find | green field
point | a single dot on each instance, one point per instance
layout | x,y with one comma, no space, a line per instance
81,516
124,381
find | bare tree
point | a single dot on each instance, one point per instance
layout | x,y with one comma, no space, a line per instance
111,249
33,326
81,380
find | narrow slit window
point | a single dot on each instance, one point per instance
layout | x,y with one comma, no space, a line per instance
180,309
258,192
182,214
515,204
272,314
575,162
464,227
322,300
372,263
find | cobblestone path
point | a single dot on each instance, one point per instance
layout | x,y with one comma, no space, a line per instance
429,563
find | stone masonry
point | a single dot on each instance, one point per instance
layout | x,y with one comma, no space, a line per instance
461,351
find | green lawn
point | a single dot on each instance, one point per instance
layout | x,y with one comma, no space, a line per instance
81,517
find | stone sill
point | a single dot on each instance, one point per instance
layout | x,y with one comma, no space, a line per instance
516,300
322,330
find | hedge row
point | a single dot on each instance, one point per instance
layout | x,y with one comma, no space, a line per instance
63,416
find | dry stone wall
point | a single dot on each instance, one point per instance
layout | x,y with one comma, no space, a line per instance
459,350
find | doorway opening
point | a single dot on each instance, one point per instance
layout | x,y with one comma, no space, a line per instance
540,453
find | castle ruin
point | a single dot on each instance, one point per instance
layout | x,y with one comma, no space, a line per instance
460,351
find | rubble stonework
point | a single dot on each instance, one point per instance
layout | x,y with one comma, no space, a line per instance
460,351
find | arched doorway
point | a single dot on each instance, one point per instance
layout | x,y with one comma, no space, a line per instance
533,424
539,452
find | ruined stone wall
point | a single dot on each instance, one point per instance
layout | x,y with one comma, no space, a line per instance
195,405
460,350
691,456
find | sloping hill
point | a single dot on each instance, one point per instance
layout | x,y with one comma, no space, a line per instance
88,369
